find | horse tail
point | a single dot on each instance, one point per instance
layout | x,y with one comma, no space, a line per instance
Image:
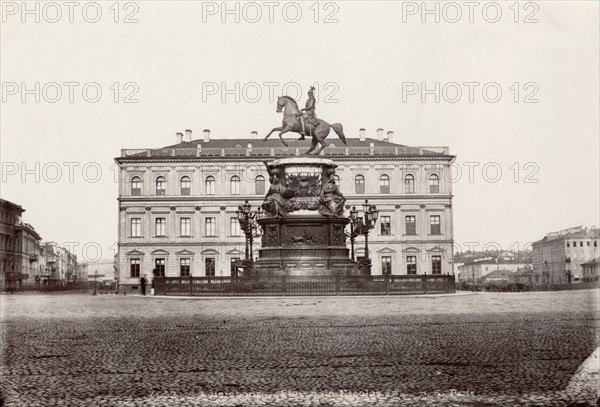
339,130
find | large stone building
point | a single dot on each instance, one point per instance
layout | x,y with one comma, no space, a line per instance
25,259
558,257
177,204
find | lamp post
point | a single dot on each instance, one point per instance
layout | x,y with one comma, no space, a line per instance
370,217
361,226
473,276
247,220
95,277
355,227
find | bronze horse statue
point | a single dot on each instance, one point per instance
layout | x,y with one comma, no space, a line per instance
292,117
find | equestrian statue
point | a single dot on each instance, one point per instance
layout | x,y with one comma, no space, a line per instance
305,122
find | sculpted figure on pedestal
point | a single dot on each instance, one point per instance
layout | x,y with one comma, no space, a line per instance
331,200
277,202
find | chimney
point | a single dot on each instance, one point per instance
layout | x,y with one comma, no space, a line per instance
188,136
389,136
362,134
179,138
379,134
206,135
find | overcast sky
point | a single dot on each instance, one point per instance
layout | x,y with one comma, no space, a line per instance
175,62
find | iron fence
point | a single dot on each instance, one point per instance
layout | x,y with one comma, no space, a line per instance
319,285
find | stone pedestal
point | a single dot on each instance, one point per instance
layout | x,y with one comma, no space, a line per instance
303,231
304,245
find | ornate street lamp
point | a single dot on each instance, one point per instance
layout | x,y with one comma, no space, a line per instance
355,227
362,226
248,225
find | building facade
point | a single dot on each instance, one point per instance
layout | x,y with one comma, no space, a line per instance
591,271
558,257
177,204
478,269
11,258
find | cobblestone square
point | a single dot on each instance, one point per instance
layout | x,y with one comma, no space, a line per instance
463,349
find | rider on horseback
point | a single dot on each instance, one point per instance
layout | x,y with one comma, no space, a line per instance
309,115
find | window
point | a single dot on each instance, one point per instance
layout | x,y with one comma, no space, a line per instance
234,227
587,243
386,265
434,184
136,186
210,185
409,184
161,184
359,184
411,225
184,267
159,267
134,268
581,244
186,185
185,227
568,245
436,264
259,185
234,185
209,268
161,226
595,243
411,264
384,184
136,227
210,226
386,225
435,225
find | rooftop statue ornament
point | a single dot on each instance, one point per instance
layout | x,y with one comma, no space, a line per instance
307,123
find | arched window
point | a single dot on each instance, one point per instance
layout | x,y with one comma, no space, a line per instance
259,185
359,184
161,185
234,185
186,185
136,186
384,184
210,185
434,184
409,184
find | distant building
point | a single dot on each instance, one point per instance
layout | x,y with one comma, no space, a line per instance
21,252
105,269
476,270
558,257
522,276
498,277
177,204
590,271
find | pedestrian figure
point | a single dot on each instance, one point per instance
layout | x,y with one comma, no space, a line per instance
143,284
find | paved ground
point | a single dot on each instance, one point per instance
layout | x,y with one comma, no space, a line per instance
481,349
